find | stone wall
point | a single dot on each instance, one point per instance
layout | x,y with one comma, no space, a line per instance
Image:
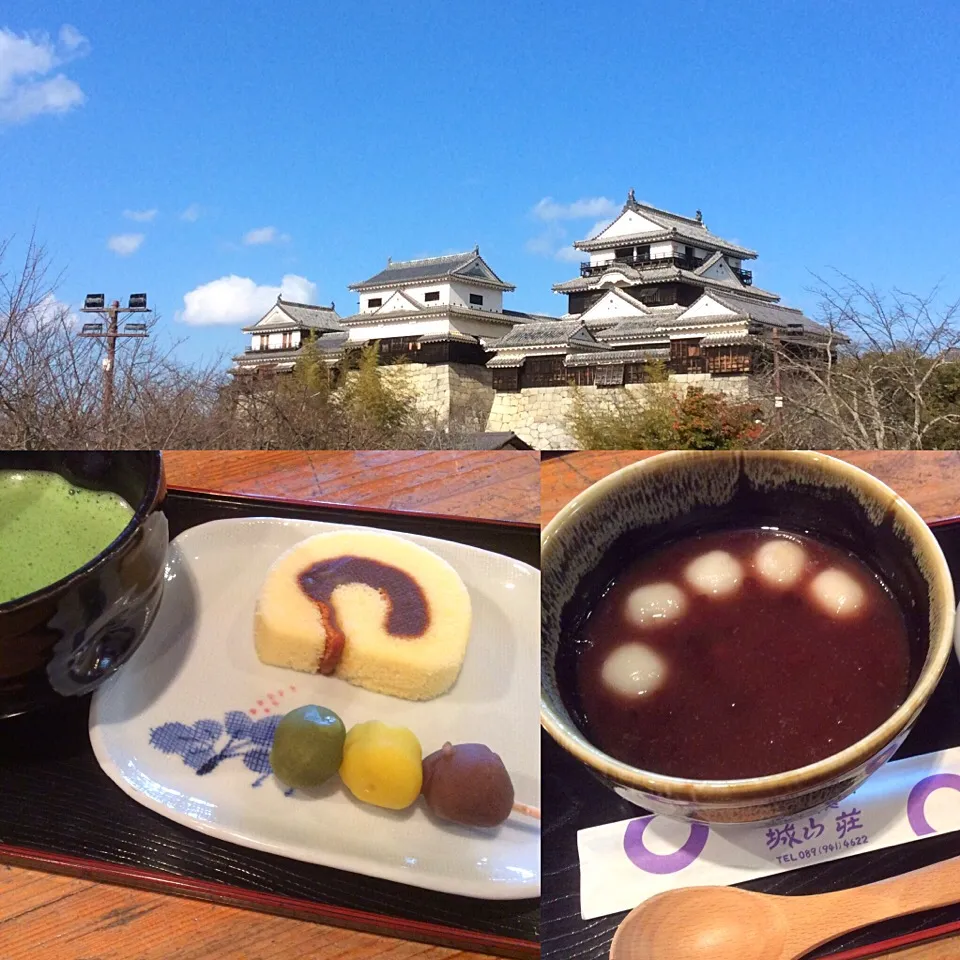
471,395
539,415
461,393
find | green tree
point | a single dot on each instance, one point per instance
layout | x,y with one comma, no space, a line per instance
375,406
663,417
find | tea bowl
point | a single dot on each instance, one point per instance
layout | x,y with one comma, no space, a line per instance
677,494
68,637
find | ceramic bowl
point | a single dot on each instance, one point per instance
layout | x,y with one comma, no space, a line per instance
684,493
67,638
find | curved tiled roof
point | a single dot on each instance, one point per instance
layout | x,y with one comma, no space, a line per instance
660,275
470,267
546,333
309,316
511,317
606,357
769,314
673,226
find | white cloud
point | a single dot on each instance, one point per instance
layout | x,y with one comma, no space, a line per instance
140,216
542,246
264,235
568,254
553,242
239,300
28,85
549,210
192,213
123,244
49,311
598,228
73,40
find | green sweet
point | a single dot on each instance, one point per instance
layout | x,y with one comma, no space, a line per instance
307,747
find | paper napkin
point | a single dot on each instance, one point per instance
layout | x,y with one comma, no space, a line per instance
624,863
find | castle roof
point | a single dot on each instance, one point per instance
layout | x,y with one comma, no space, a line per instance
666,226
468,267
650,273
768,314
287,315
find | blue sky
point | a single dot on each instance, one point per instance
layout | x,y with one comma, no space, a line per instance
313,140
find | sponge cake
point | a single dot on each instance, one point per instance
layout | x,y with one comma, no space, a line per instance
372,608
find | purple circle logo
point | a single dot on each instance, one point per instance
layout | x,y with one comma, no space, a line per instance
648,861
918,798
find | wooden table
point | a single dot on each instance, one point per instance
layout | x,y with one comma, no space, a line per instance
495,485
63,918
928,480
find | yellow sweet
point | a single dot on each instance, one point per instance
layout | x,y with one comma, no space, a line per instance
382,765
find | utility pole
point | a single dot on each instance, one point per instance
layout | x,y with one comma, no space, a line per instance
94,303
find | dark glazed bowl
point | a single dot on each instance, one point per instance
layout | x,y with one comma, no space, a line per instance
677,494
66,639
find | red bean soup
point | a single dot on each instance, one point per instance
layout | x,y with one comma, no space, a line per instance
739,653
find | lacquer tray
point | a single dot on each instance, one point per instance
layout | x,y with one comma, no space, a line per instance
59,812
573,800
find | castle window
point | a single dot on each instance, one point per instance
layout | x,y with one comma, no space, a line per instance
476,299
432,296
375,302
506,379
729,359
544,372
686,357
609,376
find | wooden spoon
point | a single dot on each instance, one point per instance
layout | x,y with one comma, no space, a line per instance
724,923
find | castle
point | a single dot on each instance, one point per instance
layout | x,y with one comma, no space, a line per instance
656,287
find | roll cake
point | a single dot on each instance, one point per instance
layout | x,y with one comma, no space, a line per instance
372,608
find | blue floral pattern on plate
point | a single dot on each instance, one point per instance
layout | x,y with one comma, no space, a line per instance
202,745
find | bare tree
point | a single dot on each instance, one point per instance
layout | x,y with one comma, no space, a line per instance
51,381
51,389
876,380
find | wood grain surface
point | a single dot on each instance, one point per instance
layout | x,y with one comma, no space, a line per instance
63,918
486,485
928,480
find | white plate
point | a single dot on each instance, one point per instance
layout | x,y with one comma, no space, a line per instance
197,664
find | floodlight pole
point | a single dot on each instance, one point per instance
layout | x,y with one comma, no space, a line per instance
112,334
111,314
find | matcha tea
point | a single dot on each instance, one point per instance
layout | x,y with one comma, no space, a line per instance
49,528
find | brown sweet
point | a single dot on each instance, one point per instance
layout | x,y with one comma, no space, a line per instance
467,784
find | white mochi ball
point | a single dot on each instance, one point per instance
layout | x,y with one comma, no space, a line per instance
716,574
780,562
655,604
634,670
837,593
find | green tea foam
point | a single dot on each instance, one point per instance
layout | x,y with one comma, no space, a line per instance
50,527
